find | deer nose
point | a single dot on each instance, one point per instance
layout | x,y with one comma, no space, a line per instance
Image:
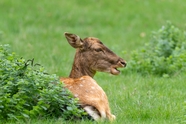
123,62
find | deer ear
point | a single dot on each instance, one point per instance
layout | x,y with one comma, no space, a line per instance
74,40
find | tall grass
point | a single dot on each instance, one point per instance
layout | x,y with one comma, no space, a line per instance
35,29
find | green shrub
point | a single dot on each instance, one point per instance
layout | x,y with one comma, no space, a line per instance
164,55
27,91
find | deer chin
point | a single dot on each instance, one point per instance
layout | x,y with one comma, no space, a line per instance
114,71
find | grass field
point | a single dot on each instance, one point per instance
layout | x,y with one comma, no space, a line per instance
34,29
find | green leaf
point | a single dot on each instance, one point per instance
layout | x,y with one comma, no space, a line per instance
25,115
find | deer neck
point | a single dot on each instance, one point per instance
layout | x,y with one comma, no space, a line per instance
81,68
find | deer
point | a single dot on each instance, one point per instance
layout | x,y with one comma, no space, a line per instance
91,56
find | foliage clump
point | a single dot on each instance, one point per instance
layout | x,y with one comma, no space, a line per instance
164,55
27,91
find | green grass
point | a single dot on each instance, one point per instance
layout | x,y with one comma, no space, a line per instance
34,29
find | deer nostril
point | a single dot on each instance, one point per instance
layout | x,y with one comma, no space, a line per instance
123,63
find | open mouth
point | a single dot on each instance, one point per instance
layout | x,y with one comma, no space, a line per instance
115,71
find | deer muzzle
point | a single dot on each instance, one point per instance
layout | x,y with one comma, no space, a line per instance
121,64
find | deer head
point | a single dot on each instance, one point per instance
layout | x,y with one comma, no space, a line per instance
91,56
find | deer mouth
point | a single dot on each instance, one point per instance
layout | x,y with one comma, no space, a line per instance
114,71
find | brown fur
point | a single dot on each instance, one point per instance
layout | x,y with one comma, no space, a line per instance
91,56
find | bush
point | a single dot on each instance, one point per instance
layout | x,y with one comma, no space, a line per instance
164,55
27,91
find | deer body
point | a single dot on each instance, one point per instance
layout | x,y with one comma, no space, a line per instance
91,56
91,96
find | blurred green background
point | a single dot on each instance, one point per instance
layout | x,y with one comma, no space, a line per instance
35,29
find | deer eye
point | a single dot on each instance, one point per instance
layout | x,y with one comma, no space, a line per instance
98,50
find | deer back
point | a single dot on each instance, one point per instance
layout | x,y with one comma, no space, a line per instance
91,96
86,89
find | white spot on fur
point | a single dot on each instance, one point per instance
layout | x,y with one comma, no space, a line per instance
76,95
93,87
103,95
81,78
81,85
91,92
92,81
